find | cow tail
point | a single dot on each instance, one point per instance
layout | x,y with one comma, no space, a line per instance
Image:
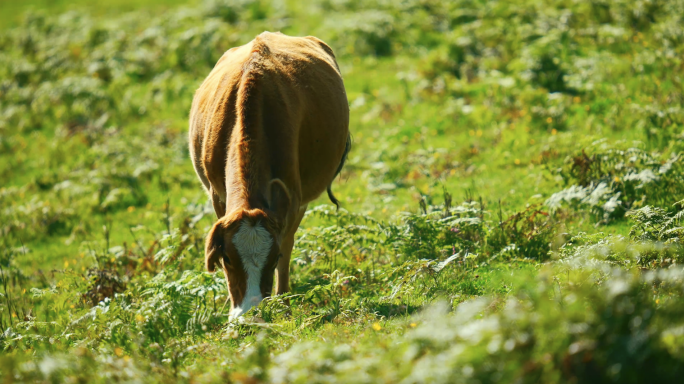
347,148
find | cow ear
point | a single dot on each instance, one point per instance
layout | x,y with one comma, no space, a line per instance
215,247
278,198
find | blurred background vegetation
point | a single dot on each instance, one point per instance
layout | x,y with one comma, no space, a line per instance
512,202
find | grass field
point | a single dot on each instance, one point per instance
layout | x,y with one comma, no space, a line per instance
512,205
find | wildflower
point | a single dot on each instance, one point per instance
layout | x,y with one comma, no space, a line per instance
377,326
517,161
413,325
549,120
231,333
118,351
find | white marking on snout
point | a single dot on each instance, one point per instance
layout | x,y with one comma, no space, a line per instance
253,244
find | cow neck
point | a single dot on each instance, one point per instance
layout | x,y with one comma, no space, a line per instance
247,169
246,175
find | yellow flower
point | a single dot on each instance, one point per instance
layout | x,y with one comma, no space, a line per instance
616,179
554,131
549,120
413,325
118,351
517,161
131,209
139,318
377,326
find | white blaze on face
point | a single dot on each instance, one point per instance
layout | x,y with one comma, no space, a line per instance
253,244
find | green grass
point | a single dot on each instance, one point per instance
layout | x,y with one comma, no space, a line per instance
13,12
536,141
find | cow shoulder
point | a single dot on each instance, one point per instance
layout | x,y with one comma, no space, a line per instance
321,44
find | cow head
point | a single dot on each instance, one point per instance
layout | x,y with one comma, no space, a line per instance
246,244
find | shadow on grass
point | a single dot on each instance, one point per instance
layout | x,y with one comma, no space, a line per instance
389,310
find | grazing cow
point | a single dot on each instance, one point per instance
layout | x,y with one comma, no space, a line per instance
269,131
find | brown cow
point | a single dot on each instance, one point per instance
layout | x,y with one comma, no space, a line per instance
269,131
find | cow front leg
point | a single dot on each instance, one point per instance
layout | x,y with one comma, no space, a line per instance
219,207
283,282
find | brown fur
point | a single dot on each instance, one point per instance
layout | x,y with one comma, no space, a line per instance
268,134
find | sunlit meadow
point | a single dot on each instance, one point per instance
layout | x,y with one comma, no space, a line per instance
512,207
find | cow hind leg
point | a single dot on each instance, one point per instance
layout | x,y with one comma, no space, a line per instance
347,148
